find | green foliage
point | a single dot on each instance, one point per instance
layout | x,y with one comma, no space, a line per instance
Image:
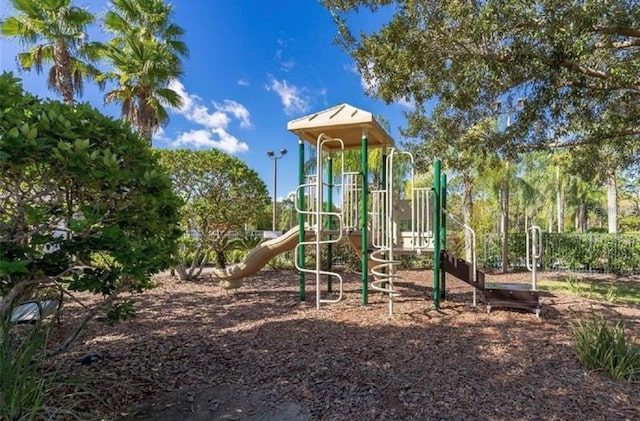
621,292
574,61
574,283
23,378
618,253
603,347
121,311
54,32
145,53
221,194
76,186
282,261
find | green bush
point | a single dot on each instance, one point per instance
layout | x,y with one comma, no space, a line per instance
78,188
603,347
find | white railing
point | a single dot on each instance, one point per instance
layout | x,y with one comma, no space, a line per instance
473,250
350,203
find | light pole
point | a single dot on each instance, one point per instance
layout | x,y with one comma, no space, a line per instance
272,155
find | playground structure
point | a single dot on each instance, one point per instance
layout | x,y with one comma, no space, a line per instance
383,220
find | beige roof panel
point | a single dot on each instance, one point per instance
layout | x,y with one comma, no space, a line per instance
344,122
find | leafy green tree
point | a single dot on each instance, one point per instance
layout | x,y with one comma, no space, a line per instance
455,137
85,204
574,61
54,32
221,194
145,53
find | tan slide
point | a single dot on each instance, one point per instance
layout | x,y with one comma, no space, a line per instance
258,257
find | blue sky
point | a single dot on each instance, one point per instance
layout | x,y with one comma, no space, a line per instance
253,66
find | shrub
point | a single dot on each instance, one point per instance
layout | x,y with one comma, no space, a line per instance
84,201
603,347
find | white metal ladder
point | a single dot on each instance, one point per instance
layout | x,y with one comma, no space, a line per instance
315,212
384,237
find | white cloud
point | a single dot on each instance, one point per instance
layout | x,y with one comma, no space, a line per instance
406,103
243,82
293,98
202,139
194,111
287,65
215,123
238,110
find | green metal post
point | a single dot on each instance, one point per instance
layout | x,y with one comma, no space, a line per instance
443,232
329,222
383,182
364,165
383,173
436,234
301,218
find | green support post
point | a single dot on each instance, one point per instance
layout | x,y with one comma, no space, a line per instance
301,219
329,222
436,234
443,232
383,181
383,173
363,216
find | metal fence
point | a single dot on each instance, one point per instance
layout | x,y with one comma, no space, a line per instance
602,253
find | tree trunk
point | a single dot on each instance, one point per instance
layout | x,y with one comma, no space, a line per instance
467,211
559,201
62,63
504,204
582,215
612,201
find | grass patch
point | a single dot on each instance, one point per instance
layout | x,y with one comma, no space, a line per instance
601,346
23,379
621,292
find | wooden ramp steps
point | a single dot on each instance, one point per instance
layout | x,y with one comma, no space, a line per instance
502,295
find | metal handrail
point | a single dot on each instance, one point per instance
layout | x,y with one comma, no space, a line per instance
473,250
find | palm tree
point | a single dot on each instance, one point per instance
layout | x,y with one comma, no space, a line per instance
145,53
54,33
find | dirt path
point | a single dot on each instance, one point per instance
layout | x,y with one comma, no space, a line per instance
196,352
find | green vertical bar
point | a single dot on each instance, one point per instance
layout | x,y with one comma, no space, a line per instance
436,234
329,222
383,181
301,218
443,232
364,150
383,173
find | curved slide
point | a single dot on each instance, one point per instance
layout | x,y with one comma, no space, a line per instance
259,256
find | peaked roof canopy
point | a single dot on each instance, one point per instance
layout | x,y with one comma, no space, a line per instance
344,122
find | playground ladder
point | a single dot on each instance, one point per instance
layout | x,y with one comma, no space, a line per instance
315,186
382,226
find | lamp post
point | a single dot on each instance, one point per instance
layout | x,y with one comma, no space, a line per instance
275,157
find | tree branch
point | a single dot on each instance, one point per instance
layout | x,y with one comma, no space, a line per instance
87,318
570,64
618,30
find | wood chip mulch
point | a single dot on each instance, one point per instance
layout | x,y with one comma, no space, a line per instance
260,351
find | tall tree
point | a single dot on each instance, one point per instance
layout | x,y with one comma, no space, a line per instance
221,194
146,53
54,31
574,61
